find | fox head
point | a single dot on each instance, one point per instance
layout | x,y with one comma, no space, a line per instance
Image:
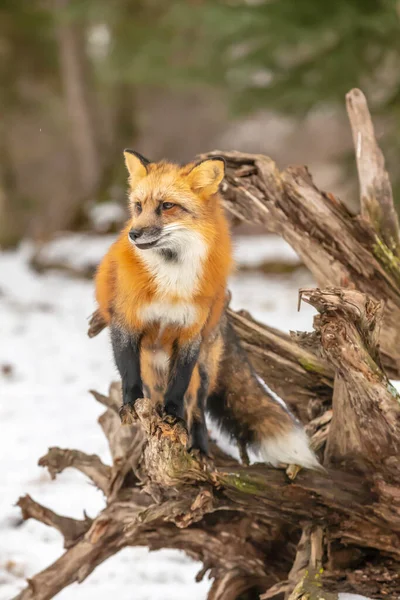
172,206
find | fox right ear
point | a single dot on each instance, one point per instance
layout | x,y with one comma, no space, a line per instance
136,165
206,175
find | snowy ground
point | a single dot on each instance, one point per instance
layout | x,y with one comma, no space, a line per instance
47,364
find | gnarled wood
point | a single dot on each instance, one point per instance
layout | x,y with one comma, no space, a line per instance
365,428
57,460
338,248
376,196
70,529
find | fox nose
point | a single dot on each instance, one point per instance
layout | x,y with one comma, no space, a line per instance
134,234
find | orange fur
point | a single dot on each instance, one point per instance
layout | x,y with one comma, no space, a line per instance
123,281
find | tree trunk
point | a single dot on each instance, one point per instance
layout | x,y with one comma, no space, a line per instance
81,109
12,219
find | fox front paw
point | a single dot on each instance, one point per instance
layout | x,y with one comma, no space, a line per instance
174,408
127,414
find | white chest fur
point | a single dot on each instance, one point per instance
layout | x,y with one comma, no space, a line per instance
183,314
178,277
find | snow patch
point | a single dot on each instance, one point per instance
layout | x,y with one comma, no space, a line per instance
254,250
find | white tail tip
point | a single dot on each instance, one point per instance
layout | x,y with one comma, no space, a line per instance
289,448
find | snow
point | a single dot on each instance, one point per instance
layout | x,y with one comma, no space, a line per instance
255,250
106,216
47,364
79,251
344,596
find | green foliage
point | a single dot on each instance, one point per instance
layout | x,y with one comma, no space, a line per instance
285,54
288,54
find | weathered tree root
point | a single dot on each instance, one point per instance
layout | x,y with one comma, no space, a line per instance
241,522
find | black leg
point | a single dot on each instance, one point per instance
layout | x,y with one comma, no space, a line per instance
199,437
126,350
198,430
244,457
182,365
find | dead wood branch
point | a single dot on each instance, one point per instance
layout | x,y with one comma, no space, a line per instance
376,196
365,428
57,460
70,529
339,249
41,265
96,324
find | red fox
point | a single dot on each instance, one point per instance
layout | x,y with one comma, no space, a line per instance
162,289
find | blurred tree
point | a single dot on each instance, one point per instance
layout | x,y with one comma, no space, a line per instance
48,78
26,52
81,108
282,53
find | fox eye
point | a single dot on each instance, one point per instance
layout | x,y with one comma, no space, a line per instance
138,207
168,205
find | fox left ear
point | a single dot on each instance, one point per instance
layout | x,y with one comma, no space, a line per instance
207,175
136,165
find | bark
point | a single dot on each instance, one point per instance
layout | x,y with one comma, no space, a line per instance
365,428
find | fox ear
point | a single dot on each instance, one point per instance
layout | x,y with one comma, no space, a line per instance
136,165
207,175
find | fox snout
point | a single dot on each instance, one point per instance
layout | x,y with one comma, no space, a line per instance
145,237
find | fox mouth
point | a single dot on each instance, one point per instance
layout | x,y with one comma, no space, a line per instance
163,241
146,245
